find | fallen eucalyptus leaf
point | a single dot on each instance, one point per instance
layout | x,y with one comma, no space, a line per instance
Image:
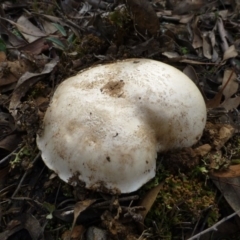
27,81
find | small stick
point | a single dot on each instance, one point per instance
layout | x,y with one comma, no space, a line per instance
214,227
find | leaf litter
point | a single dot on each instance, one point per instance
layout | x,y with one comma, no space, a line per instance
44,43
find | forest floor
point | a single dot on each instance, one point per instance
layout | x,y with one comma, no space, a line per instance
195,194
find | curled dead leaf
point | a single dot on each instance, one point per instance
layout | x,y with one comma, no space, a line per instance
232,86
79,208
148,200
231,172
26,82
231,52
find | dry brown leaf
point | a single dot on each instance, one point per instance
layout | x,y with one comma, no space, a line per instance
35,47
171,55
197,40
79,208
231,172
12,38
207,49
187,6
231,103
54,19
191,73
215,102
25,221
12,71
19,67
232,86
231,52
25,30
33,33
212,38
7,79
223,14
76,234
10,142
149,199
49,27
27,81
230,188
186,18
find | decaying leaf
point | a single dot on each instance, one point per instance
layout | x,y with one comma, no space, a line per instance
27,81
231,52
172,55
232,86
75,234
12,71
9,138
232,171
197,40
23,29
231,103
36,47
25,221
149,199
12,38
187,6
10,142
28,30
207,49
145,18
229,186
79,208
191,73
215,102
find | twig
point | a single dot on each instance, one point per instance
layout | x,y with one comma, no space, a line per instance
8,157
123,199
214,227
24,175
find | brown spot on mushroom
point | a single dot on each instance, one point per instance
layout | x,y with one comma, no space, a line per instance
113,88
108,159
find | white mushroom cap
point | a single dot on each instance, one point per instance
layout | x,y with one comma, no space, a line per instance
107,123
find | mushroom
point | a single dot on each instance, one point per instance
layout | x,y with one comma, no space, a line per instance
106,124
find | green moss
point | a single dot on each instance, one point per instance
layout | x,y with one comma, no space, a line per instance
182,200
119,18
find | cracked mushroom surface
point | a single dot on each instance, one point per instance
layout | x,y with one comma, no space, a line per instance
107,123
